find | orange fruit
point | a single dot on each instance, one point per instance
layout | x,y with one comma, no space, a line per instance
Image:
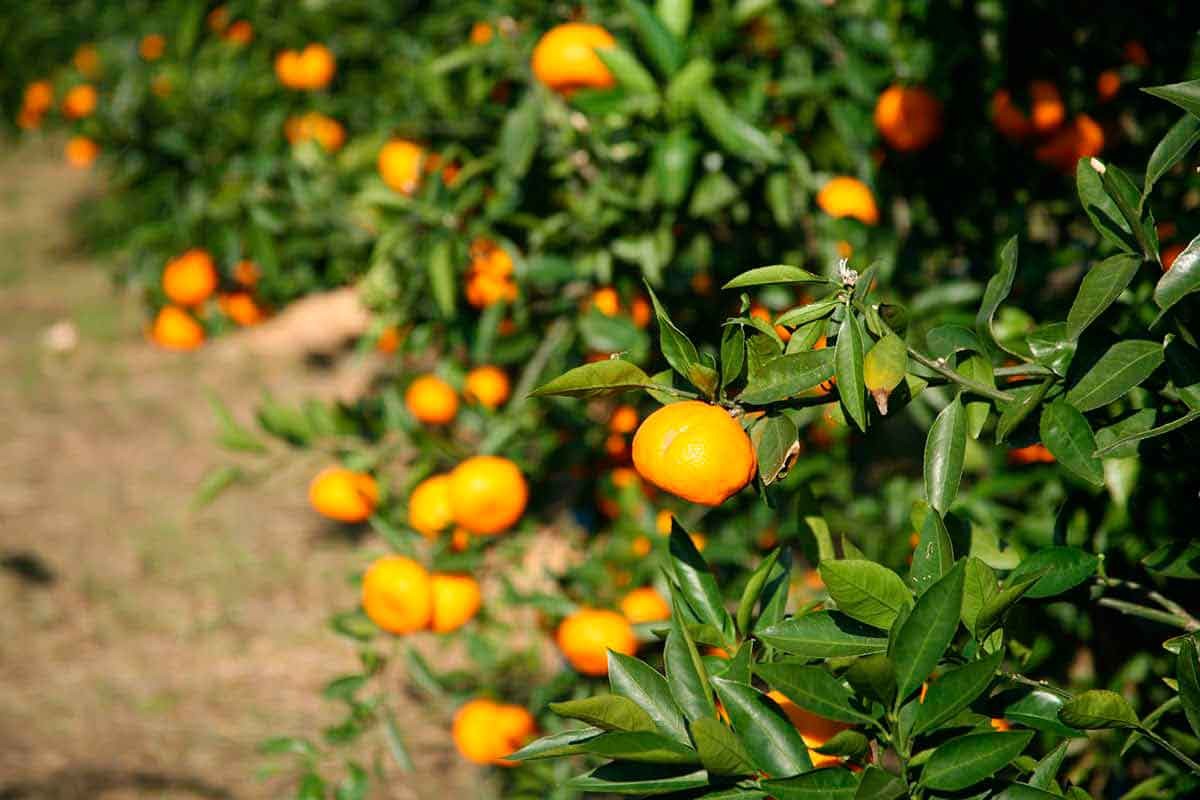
1048,109
565,59
87,60
488,494
400,165
1083,138
343,494
28,119
485,731
81,151
240,32
844,196
489,279
645,605
488,386
1008,119
397,594
218,18
814,730
641,311
175,329
429,508
607,301
908,117
481,33
289,68
624,419
759,312
1135,53
388,341
586,636
246,273
999,724
1108,83
317,66
662,522
1169,254
152,46
694,450
190,278
456,601
39,97
1036,453
641,547
431,400
315,126
80,101
241,308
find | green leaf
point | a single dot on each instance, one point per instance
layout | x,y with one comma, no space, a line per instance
878,784
772,742
1037,709
776,273
676,347
946,340
967,760
1181,279
1186,95
874,676
608,711
696,583
1183,364
848,363
775,445
1171,149
639,779
928,631
686,87
627,70
787,376
1051,347
676,15
802,315
1128,200
1101,286
1175,560
601,378
884,368
1014,413
1100,208
686,675
721,751
845,743
754,588
812,688
640,747
1097,709
737,136
1061,569
1066,433
556,745
954,691
395,742
1000,602
979,586
733,354
1123,442
934,555
824,634
866,591
945,448
997,290
214,482
1187,672
1122,367
775,594
639,682
1046,770
664,48
979,369
232,434
820,784
519,136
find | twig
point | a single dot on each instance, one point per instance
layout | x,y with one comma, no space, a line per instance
1170,748
1152,614
975,387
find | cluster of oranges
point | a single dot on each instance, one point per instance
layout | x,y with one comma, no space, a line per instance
309,69
402,597
482,496
317,127
152,46
490,276
1059,142
485,731
434,401
189,280
239,31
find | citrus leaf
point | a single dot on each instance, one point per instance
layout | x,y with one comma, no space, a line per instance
1060,568
787,376
945,448
1187,672
824,634
954,691
967,760
812,688
1097,709
639,682
1100,287
721,751
866,591
772,742
1181,279
608,711
638,779
1066,433
593,380
1174,145
776,273
928,631
820,784
997,290
1122,367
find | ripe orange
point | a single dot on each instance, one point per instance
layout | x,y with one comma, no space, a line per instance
1000,724
246,273
388,341
641,547
565,59
662,522
844,196
456,601
1048,109
645,605
1036,453
289,69
641,311
488,386
218,18
400,165
1083,138
397,595
80,101
39,97
488,494
908,117
87,60
28,120
152,46
315,126
624,419
1008,119
1169,254
240,32
481,33
431,400
586,636
343,494
429,508
694,450
81,151
241,308
175,329
485,731
190,278
607,301
318,66
1108,83
489,279
814,730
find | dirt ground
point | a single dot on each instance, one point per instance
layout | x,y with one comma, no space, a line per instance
146,649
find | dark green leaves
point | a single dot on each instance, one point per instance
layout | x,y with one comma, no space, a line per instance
1096,709
1060,568
945,448
638,779
1066,433
639,682
812,688
776,273
736,135
1186,95
1181,279
696,584
928,631
998,287
1182,136
820,784
686,675
608,711
1175,560
774,745
720,750
1101,286
824,634
594,380
954,691
1123,366
788,376
884,367
934,555
664,47
1187,672
866,591
1101,208
967,760
848,362
519,137
679,351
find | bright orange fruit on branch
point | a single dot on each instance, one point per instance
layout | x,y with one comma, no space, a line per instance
81,151
400,165
242,308
624,419
431,400
176,329
324,130
485,731
152,46
586,636
456,601
1048,109
490,276
908,117
1010,120
565,59
311,68
694,450
488,494
80,101
487,385
87,60
343,494
645,605
397,595
429,508
190,278
39,97
844,196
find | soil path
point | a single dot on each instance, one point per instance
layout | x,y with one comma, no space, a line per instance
146,649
